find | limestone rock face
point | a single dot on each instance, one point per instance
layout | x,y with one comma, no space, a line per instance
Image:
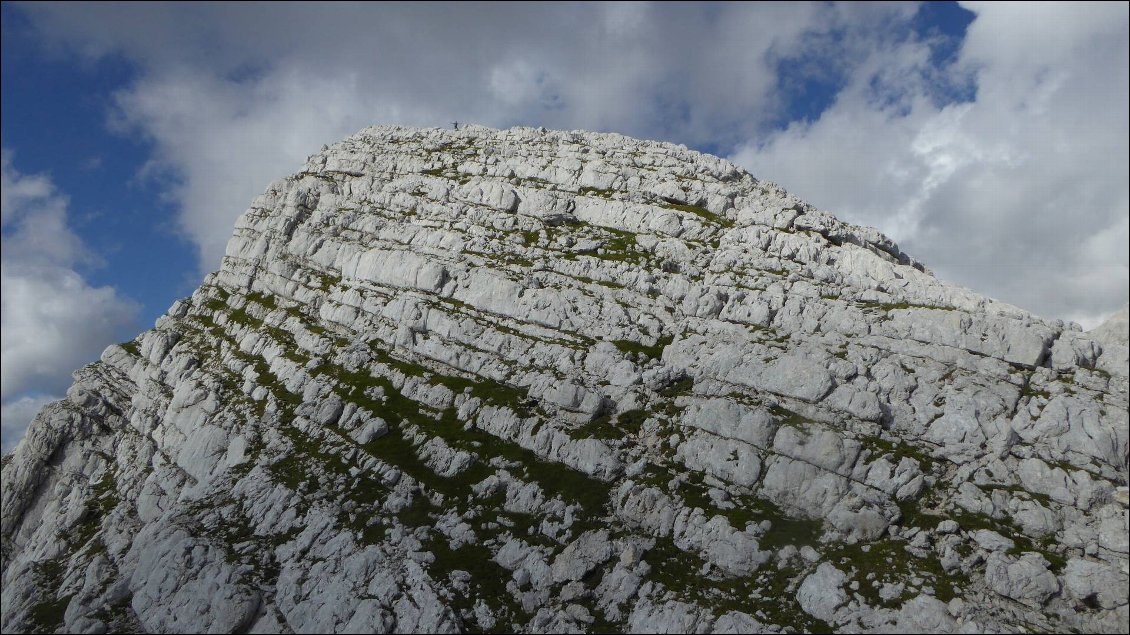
544,381
1112,337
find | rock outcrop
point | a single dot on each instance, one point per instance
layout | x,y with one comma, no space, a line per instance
557,382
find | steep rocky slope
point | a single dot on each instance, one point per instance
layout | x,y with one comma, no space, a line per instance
551,381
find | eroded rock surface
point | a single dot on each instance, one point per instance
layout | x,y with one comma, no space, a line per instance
558,382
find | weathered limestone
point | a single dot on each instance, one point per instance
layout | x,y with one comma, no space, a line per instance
543,381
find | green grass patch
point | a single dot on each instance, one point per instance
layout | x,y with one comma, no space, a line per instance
679,388
701,212
216,304
595,191
896,452
242,317
654,351
610,426
115,613
898,306
888,561
603,283
46,616
395,449
266,300
488,581
133,347
325,281
1027,390
765,594
492,392
787,417
784,529
1022,543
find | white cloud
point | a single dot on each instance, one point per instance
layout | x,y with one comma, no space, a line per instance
16,416
51,320
1020,193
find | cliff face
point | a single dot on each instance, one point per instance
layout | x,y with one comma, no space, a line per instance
548,381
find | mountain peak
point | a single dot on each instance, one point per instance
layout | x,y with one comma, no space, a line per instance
533,380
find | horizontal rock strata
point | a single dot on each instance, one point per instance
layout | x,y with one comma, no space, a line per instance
558,382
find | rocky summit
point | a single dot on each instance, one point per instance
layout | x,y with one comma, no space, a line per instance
540,381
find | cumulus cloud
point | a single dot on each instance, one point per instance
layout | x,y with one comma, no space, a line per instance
1020,192
16,415
52,319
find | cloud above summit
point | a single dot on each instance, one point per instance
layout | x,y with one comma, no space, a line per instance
1003,165
1021,192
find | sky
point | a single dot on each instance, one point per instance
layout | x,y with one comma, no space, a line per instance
988,139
